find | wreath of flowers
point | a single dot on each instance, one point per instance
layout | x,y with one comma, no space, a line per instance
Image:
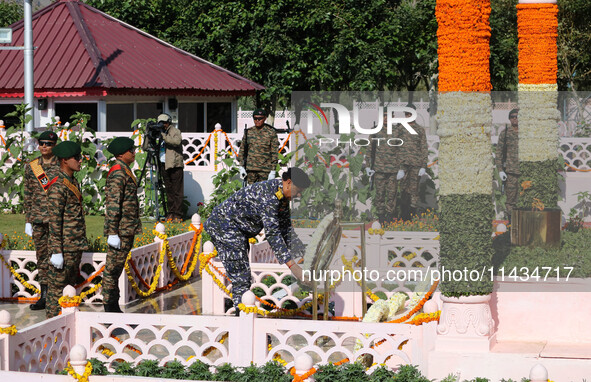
311,254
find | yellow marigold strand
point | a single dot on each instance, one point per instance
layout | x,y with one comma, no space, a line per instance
78,377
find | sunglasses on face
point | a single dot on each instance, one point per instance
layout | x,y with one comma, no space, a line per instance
76,157
512,116
258,118
46,143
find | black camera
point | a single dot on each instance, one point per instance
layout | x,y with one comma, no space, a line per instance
153,131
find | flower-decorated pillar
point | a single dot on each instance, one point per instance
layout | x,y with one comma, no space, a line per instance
539,159
465,172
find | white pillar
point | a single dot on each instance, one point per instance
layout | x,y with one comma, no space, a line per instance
78,359
303,363
538,373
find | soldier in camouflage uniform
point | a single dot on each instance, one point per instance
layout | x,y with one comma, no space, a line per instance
411,162
244,214
122,218
67,228
382,159
258,154
507,160
39,175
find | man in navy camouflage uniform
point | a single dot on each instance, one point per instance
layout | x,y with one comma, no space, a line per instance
67,227
244,214
39,175
122,218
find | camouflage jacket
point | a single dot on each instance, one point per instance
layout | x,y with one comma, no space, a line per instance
507,153
35,196
67,227
263,147
414,152
122,210
257,206
385,156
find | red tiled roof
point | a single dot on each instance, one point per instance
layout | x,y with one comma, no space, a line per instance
83,51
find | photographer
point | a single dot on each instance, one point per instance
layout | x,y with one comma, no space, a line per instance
170,155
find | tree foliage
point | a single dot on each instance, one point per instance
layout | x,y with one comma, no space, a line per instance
10,12
341,45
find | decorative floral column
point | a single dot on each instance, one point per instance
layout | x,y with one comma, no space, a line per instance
538,115
465,170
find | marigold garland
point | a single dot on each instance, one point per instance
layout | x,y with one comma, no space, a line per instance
154,280
10,330
18,276
348,265
463,36
422,318
78,377
418,306
537,27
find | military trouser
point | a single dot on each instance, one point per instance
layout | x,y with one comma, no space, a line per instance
409,192
58,279
256,176
232,247
113,269
40,238
511,191
386,187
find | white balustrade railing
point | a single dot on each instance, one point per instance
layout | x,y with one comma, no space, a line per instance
145,259
215,340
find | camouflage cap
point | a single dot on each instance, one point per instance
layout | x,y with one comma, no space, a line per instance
259,112
120,145
48,136
66,149
298,177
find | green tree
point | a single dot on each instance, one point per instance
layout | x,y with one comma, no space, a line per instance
10,12
503,45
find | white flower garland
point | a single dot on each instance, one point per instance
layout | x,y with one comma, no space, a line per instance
312,248
465,153
538,117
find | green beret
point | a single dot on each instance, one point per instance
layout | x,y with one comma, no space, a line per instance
48,136
66,149
120,145
259,112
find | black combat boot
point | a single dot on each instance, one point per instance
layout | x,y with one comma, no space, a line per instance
112,307
40,304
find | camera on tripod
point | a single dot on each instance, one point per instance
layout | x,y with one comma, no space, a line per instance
153,131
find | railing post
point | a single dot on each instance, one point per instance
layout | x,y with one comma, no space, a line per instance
538,373
161,229
69,291
303,364
78,359
244,336
4,341
207,285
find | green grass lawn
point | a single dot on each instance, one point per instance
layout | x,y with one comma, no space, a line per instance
13,225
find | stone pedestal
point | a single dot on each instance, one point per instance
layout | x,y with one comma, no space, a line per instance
466,324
